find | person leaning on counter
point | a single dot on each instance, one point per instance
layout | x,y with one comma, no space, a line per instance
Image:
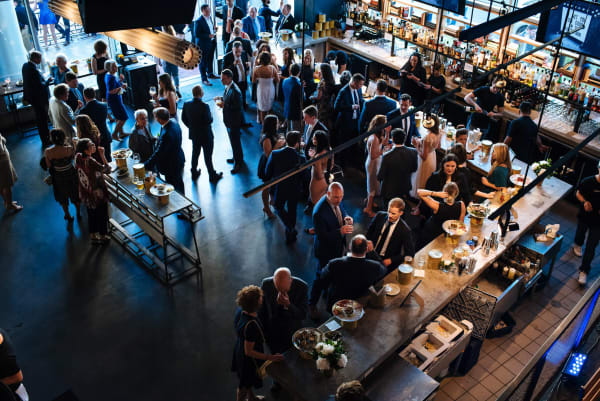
484,99
522,134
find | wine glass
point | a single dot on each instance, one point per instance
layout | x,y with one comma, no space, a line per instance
135,158
152,92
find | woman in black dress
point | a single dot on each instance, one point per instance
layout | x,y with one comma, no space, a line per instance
307,74
65,184
449,172
168,95
98,59
270,141
448,209
412,77
248,353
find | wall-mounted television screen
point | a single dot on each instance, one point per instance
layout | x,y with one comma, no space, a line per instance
585,14
456,6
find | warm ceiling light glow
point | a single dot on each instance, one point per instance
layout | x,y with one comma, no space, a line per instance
159,44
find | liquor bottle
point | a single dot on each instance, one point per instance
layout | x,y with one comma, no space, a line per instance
480,58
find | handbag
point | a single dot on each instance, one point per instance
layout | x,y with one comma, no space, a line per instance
261,370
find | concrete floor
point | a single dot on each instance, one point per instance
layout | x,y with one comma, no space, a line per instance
90,319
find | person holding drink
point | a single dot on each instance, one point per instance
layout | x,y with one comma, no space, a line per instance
484,99
426,148
233,115
114,89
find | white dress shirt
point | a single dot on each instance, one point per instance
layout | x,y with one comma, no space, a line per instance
386,241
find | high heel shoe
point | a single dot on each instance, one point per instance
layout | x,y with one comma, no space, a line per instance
268,213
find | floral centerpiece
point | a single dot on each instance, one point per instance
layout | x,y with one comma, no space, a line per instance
298,27
541,166
330,355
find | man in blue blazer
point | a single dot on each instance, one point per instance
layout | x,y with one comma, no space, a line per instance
205,33
292,99
330,236
98,112
286,192
35,91
253,24
233,117
347,106
408,123
380,104
75,98
168,157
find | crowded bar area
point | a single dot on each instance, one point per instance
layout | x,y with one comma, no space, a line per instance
371,200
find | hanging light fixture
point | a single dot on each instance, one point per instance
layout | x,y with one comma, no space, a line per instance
159,44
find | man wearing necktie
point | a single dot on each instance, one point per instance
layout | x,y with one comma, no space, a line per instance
237,61
75,99
390,238
205,34
286,19
233,116
407,123
253,24
348,105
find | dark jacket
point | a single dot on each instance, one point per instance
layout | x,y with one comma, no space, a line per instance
292,98
141,141
289,23
280,323
98,112
267,13
416,91
329,242
197,117
281,161
202,34
236,14
75,94
319,126
397,165
412,129
233,107
246,45
35,87
343,108
401,243
168,156
250,28
436,182
378,105
350,278
228,63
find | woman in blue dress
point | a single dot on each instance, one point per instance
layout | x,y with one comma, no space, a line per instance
114,86
47,19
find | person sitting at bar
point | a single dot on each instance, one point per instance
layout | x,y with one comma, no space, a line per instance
412,78
349,277
75,99
484,99
449,172
461,156
350,391
389,237
59,70
497,177
448,209
522,134
379,104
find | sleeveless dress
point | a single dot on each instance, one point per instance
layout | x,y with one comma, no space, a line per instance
265,93
164,102
372,165
47,17
65,182
100,77
318,183
427,167
115,101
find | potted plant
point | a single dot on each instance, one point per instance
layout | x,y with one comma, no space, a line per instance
541,166
329,355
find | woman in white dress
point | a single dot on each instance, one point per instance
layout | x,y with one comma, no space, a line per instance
375,146
426,148
266,77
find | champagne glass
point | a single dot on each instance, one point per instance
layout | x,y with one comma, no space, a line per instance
152,92
135,158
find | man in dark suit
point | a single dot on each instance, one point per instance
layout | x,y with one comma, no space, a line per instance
205,32
407,123
311,125
396,168
253,24
197,117
286,192
347,106
98,112
236,36
330,236
233,116
231,13
286,19
238,62
380,104
350,277
266,12
292,99
284,307
168,156
390,239
75,99
35,91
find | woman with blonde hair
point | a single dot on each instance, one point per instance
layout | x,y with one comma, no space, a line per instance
447,209
167,95
87,129
307,73
375,145
426,148
266,77
499,173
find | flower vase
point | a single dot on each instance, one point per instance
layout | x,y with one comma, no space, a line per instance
539,184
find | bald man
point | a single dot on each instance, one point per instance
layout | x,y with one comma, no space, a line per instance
285,303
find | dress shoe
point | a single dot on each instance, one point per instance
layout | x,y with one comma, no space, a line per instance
230,161
216,177
195,174
236,168
212,76
207,83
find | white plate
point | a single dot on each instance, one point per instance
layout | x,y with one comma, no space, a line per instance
391,289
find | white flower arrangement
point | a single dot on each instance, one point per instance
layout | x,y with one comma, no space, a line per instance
541,166
330,354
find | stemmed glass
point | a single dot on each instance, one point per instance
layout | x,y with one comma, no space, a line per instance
152,92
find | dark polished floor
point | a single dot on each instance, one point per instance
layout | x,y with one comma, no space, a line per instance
90,319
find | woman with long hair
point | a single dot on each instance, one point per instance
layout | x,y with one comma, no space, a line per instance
167,95
497,177
98,59
375,146
412,75
266,77
318,181
449,172
326,96
270,141
65,184
114,87
87,129
307,73
426,148
288,60
449,208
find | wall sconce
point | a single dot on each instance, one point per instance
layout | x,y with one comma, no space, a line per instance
159,44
